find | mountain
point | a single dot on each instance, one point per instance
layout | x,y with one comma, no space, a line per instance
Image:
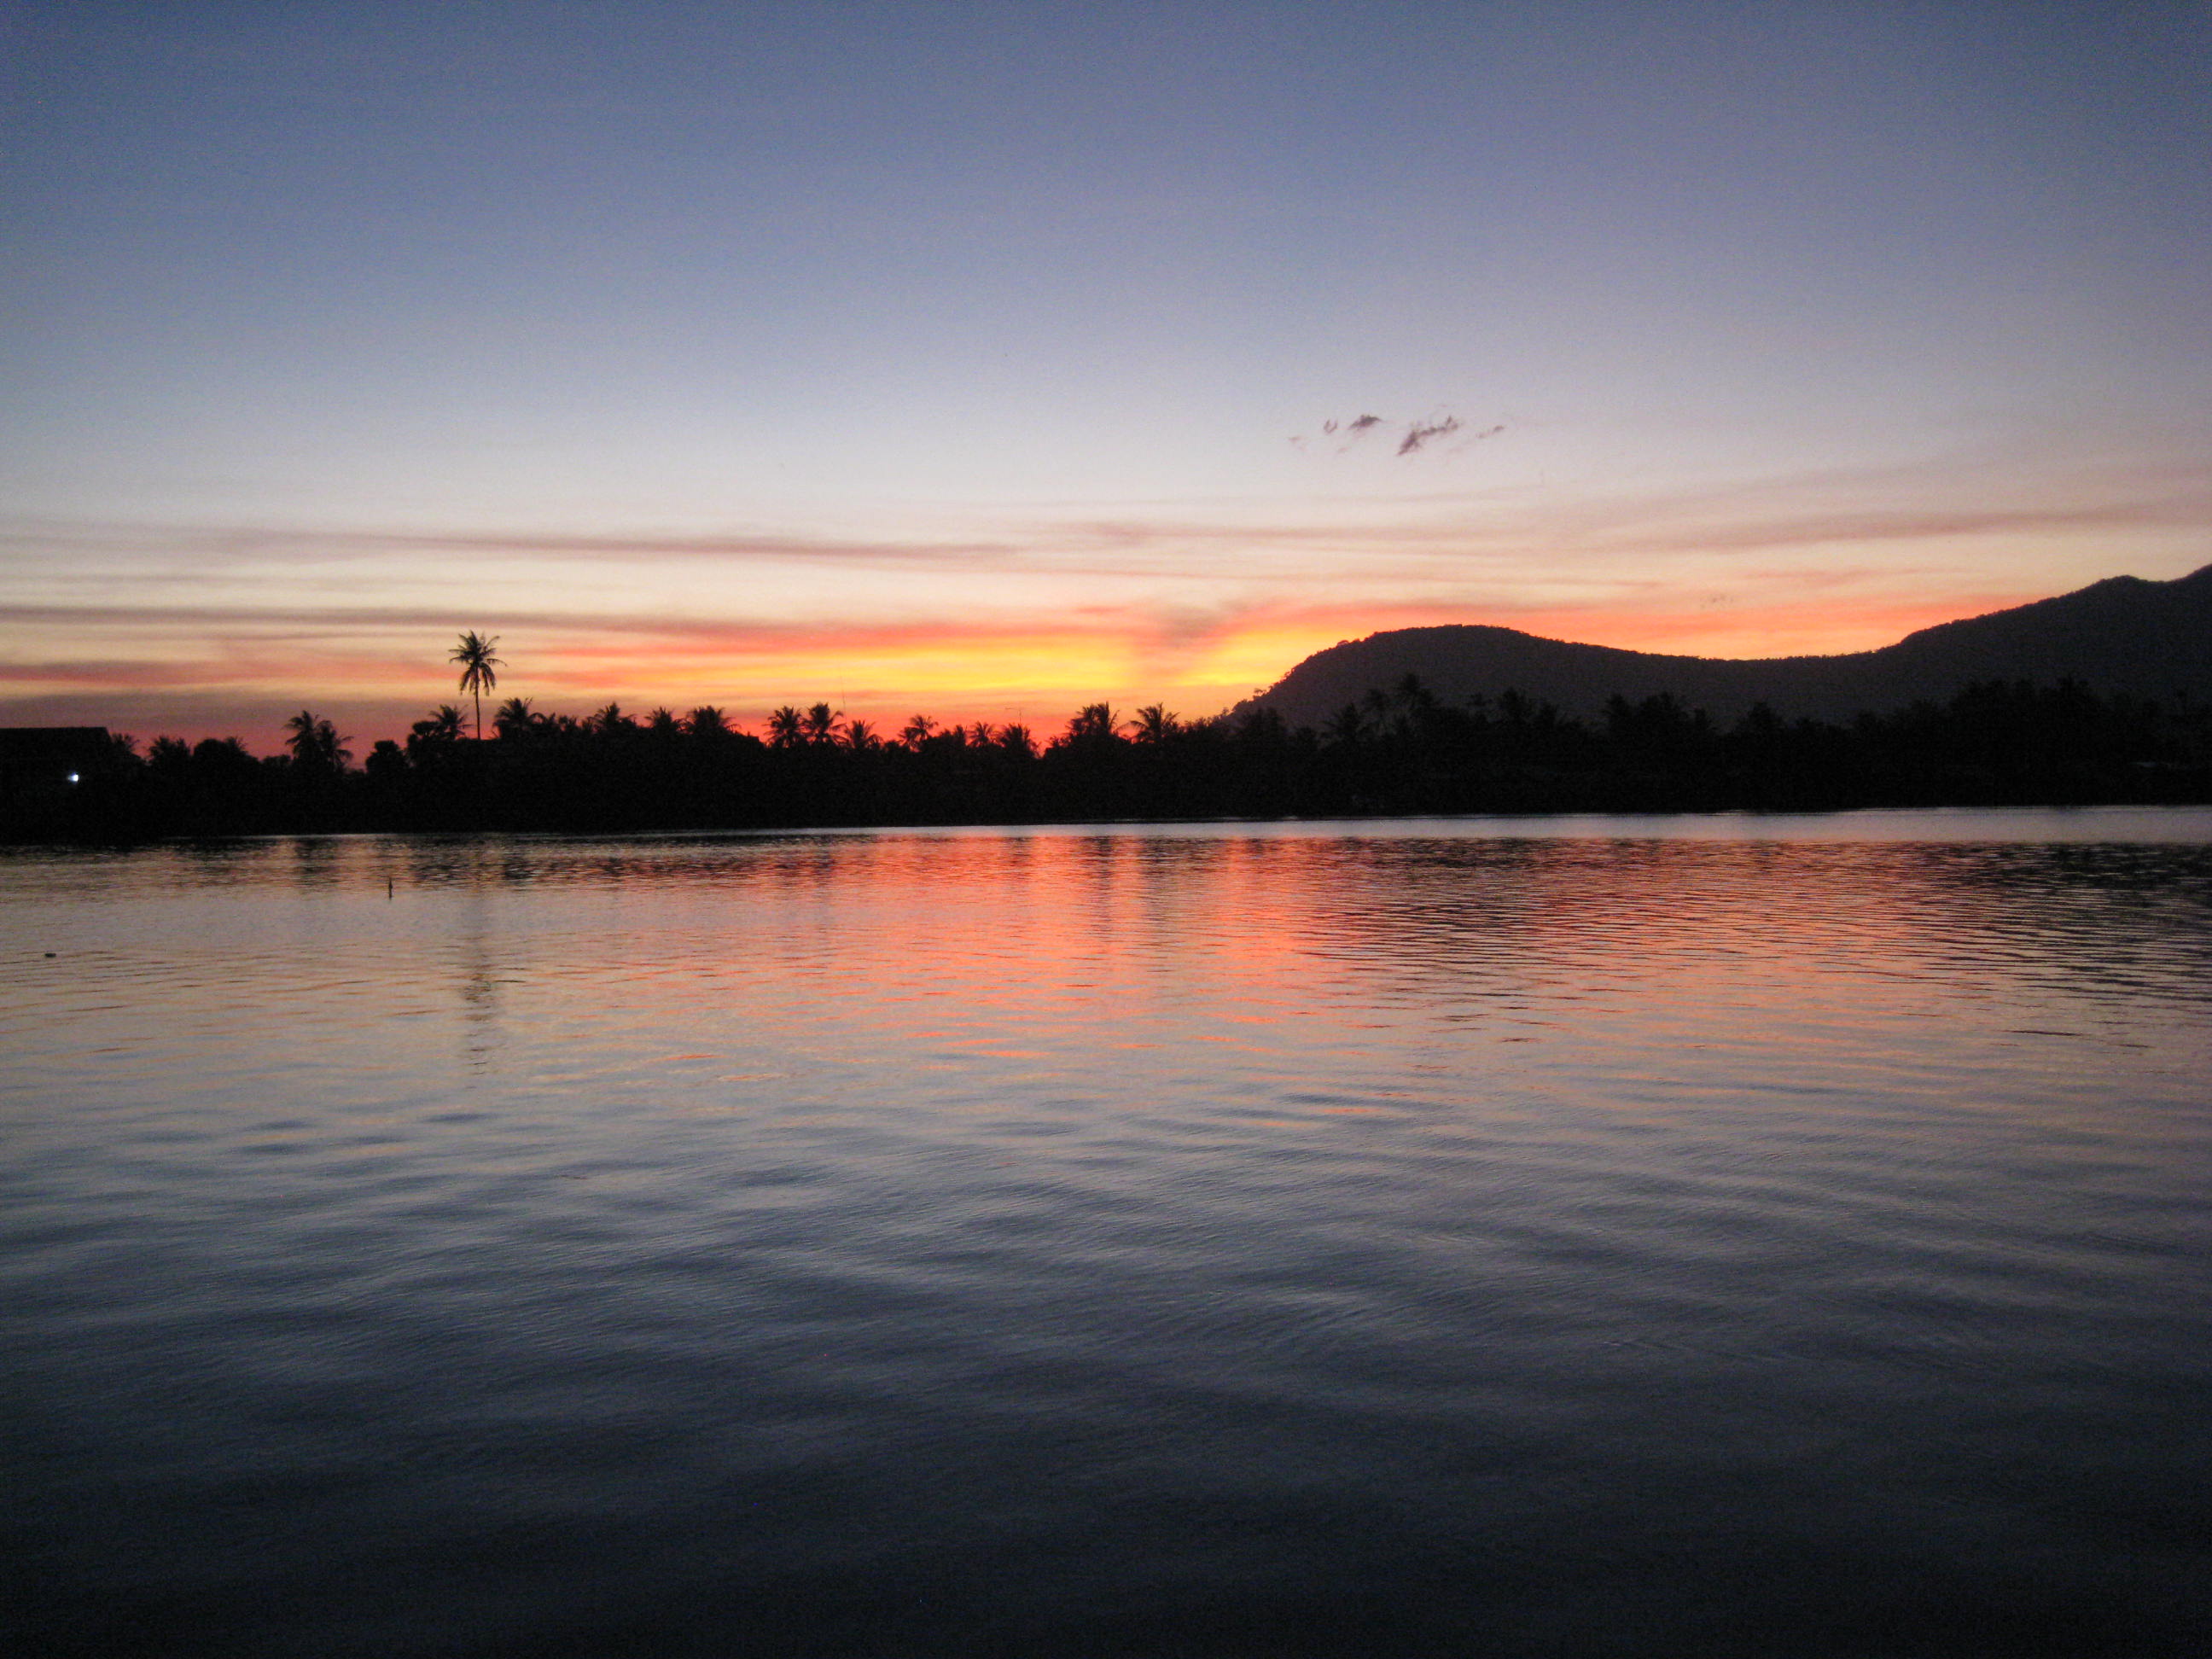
2148,638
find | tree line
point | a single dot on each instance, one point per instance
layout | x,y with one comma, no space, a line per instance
1400,750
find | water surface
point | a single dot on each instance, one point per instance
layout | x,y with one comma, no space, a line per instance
1715,1235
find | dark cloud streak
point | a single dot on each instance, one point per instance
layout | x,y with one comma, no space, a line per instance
1420,432
1417,435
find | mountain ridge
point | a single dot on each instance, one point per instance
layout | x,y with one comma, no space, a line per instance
2121,634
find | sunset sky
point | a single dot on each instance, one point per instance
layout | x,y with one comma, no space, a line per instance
986,360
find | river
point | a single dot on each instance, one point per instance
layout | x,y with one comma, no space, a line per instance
1597,1236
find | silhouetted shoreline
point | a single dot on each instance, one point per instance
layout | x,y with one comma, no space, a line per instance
1395,752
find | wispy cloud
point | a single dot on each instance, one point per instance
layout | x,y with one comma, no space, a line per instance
1414,435
1874,510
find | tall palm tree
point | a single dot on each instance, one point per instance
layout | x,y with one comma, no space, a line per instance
821,722
786,728
476,661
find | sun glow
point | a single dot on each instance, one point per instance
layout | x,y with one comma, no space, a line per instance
201,676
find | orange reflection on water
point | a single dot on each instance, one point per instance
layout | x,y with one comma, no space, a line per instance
1296,971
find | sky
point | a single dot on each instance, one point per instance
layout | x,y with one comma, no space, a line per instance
984,360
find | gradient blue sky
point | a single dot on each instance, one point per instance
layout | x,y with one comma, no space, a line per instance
977,358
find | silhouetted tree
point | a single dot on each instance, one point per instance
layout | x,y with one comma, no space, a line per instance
1396,749
1093,723
1347,728
477,663
315,743
224,753
441,730
514,719
1154,726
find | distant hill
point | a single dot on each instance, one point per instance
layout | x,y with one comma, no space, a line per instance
2148,638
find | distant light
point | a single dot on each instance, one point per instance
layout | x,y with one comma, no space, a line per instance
73,777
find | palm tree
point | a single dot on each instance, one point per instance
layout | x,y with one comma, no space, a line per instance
821,723
315,743
514,719
1345,728
440,731
861,735
918,731
476,661
980,734
1155,725
786,728
706,722
1093,723
301,743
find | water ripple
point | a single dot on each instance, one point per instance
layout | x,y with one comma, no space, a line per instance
1588,1236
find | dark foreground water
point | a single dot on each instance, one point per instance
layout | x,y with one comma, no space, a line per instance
1704,1238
